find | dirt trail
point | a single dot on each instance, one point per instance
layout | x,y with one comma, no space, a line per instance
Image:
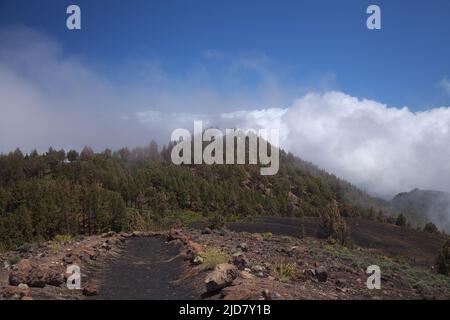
148,268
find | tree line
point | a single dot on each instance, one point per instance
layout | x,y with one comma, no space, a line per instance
58,192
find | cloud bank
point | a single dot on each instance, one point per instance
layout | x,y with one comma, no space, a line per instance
50,99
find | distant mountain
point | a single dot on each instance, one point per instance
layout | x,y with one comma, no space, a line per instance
425,205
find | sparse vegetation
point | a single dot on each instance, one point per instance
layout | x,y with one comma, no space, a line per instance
25,247
430,227
401,220
301,233
443,259
285,271
267,235
423,281
217,222
14,260
63,238
212,257
286,239
333,225
183,217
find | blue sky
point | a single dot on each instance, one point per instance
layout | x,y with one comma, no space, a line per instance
306,44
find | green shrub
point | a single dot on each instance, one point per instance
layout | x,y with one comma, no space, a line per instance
443,259
217,222
333,226
286,239
212,257
14,260
63,238
267,235
285,271
26,247
431,228
301,233
401,220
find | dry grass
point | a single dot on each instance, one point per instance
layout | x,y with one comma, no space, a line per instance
212,257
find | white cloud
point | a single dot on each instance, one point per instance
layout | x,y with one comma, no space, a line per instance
445,84
384,150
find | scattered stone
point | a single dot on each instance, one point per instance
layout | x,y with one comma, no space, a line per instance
194,246
87,255
258,237
56,277
222,232
207,230
340,283
174,234
197,260
23,290
287,251
222,276
38,278
189,255
109,234
20,272
136,233
70,258
240,261
90,290
246,275
321,274
19,292
331,241
106,246
243,246
257,268
268,295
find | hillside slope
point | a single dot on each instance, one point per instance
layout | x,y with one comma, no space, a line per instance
43,195
425,205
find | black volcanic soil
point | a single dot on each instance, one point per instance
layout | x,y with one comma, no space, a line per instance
148,269
418,247
156,265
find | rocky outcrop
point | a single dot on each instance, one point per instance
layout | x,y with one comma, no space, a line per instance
35,275
222,276
90,290
192,248
21,292
44,266
240,261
